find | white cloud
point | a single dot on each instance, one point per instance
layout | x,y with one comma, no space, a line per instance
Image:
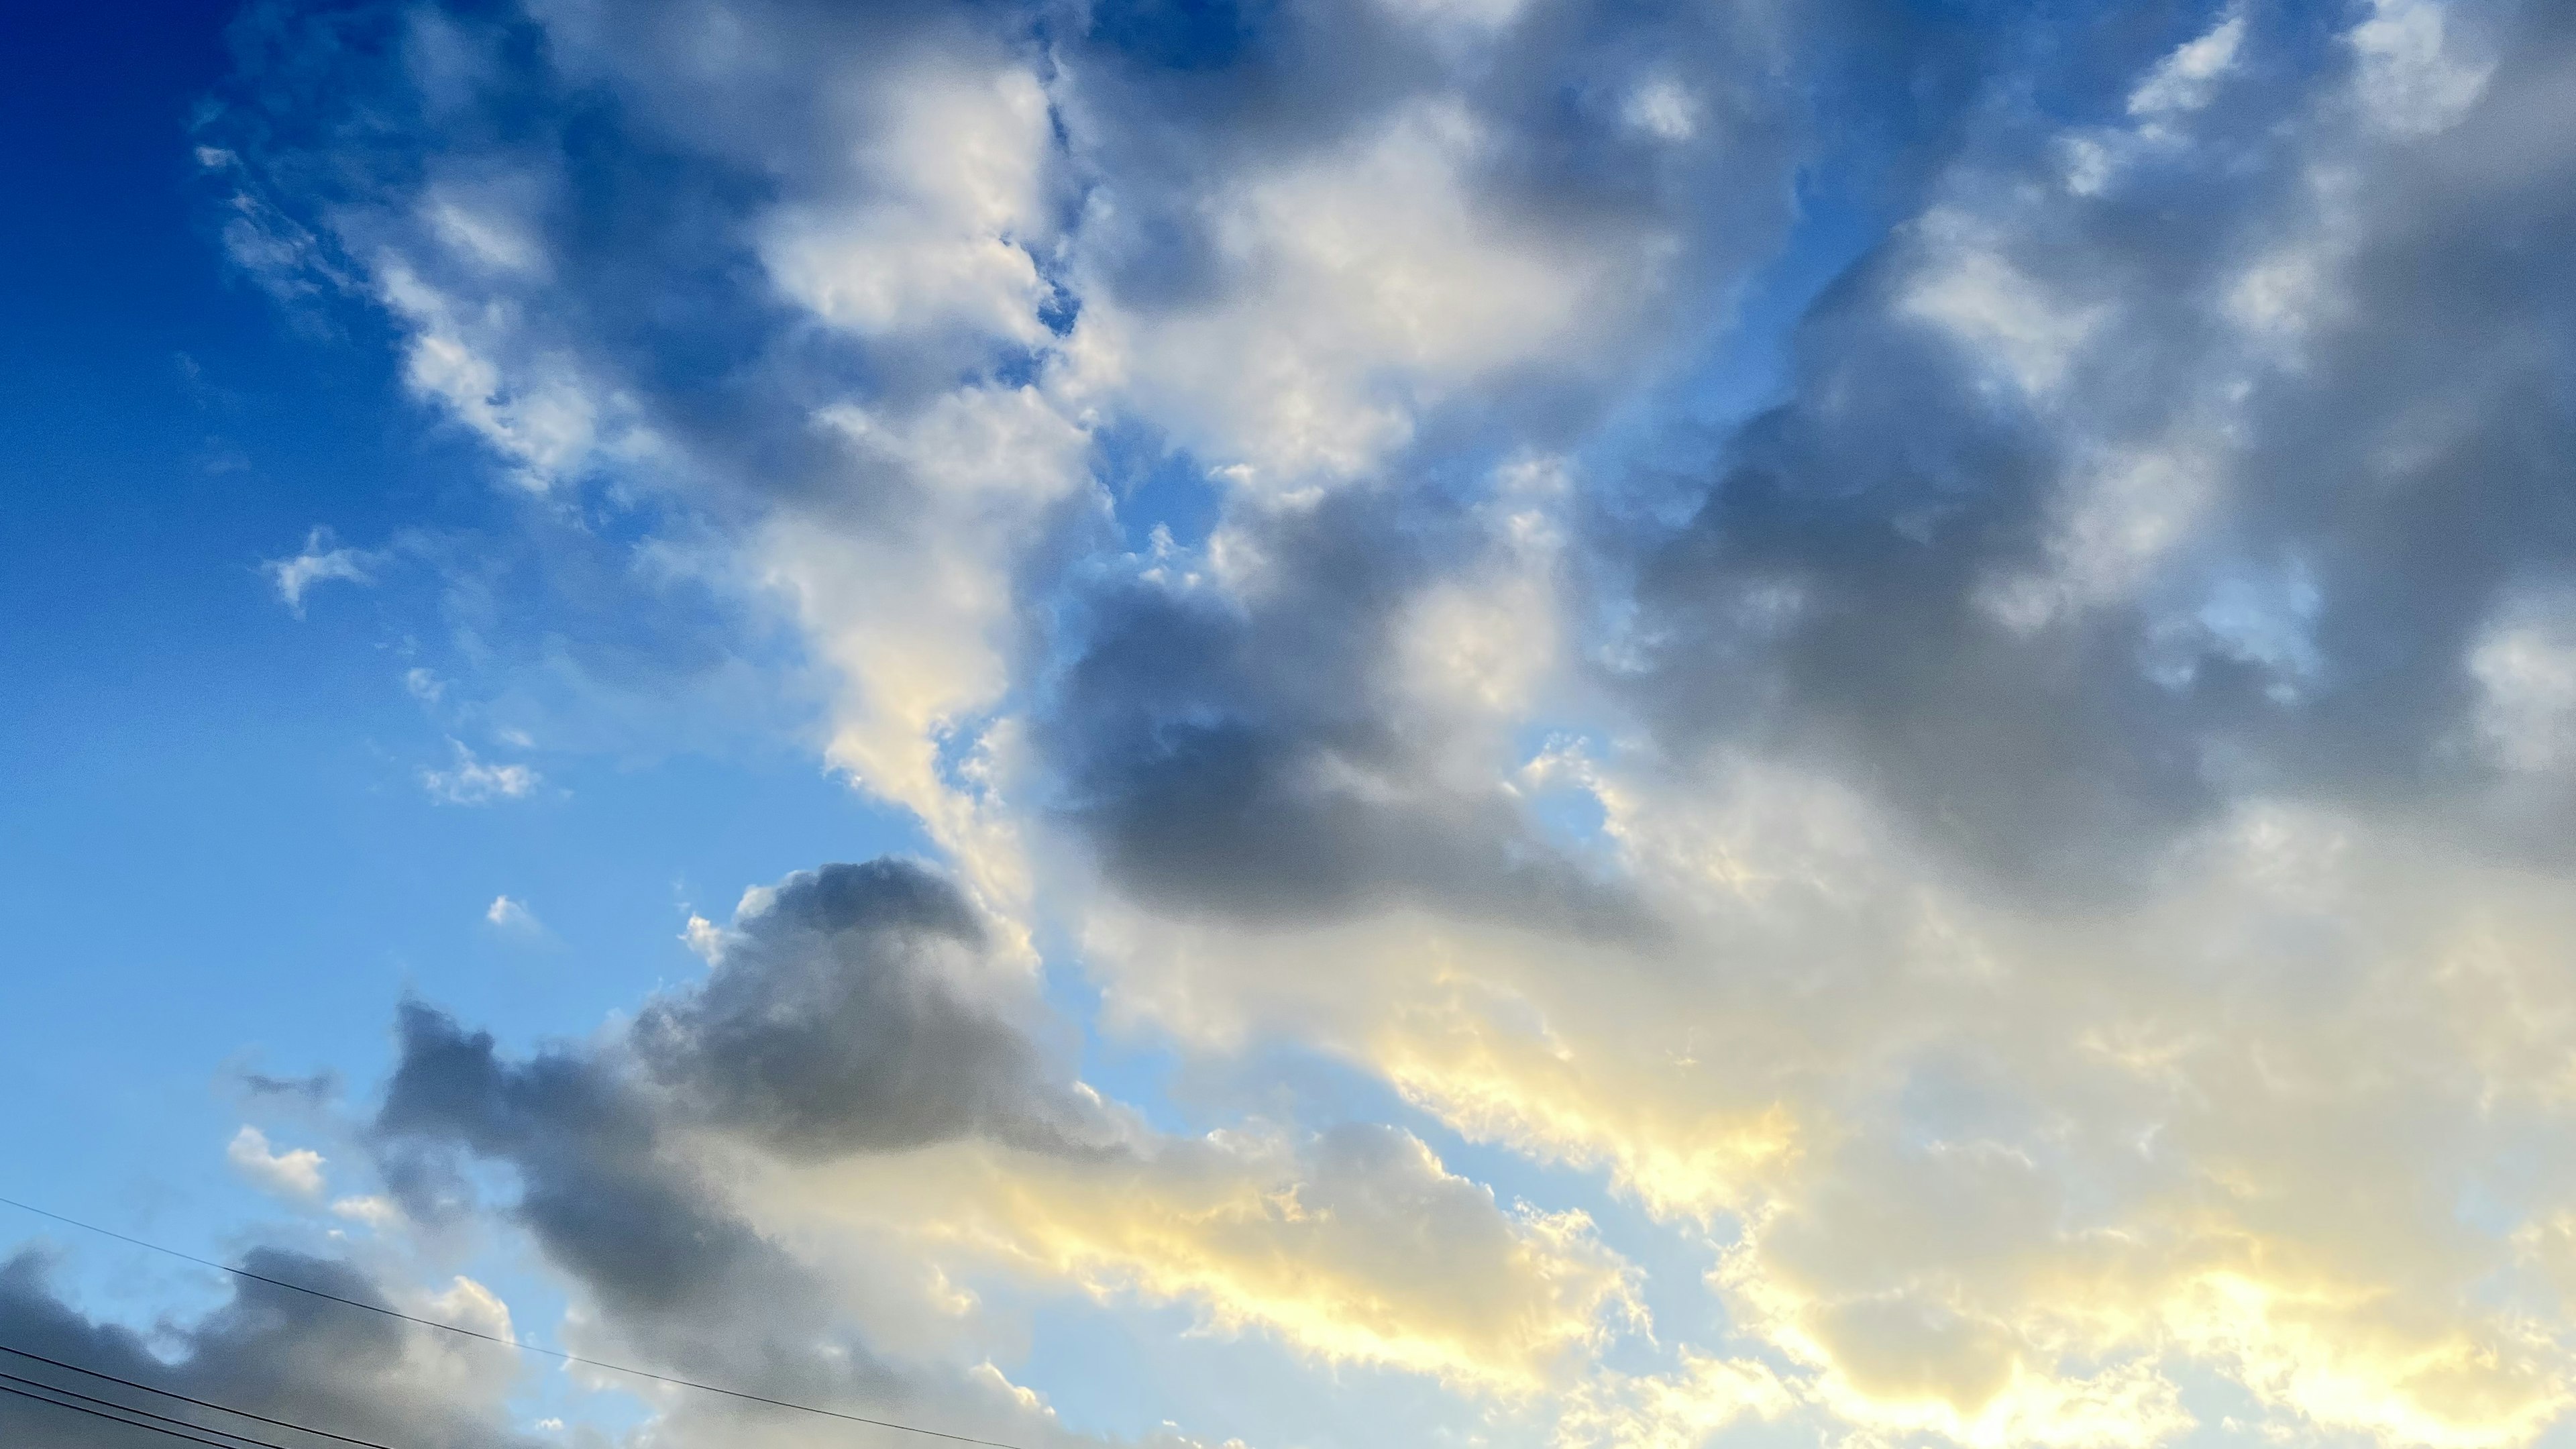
376,1212
512,916
1357,1247
471,780
1970,288
322,561
1364,286
2185,80
293,1174
534,404
2415,80
704,938
1663,108
2114,523
954,193
2525,667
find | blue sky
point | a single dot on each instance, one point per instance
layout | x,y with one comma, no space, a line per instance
1376,722
169,430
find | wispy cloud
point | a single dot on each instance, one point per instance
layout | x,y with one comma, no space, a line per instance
323,561
472,780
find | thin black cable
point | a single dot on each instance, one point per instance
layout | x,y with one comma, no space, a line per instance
507,1342
182,1398
139,1424
52,1388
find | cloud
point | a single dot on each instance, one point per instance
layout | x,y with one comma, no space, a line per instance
321,562
317,1088
512,915
2030,857
1303,718
2139,538
854,1008
2525,667
1354,1246
858,1014
375,1212
293,1174
286,1355
475,781
2185,79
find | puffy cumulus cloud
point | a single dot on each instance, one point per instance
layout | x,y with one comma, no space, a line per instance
296,1173
1312,712
667,1274
916,612
2086,755
1313,233
862,292
862,1009
719,1181
274,1352
2084,450
860,205
2039,857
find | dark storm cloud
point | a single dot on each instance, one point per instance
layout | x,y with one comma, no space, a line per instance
269,1351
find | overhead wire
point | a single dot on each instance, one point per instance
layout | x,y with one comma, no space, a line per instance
228,1441
216,1429
182,1398
510,1343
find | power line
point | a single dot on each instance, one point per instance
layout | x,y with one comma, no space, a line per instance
182,1398
57,1389
139,1424
509,1342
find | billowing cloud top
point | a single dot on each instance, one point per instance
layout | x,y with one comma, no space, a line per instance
1919,672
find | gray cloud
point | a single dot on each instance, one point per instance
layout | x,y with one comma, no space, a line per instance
585,217
266,1350
846,1016
2176,448
840,1020
2379,471
1253,756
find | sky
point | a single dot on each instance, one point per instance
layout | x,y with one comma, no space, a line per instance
1363,724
